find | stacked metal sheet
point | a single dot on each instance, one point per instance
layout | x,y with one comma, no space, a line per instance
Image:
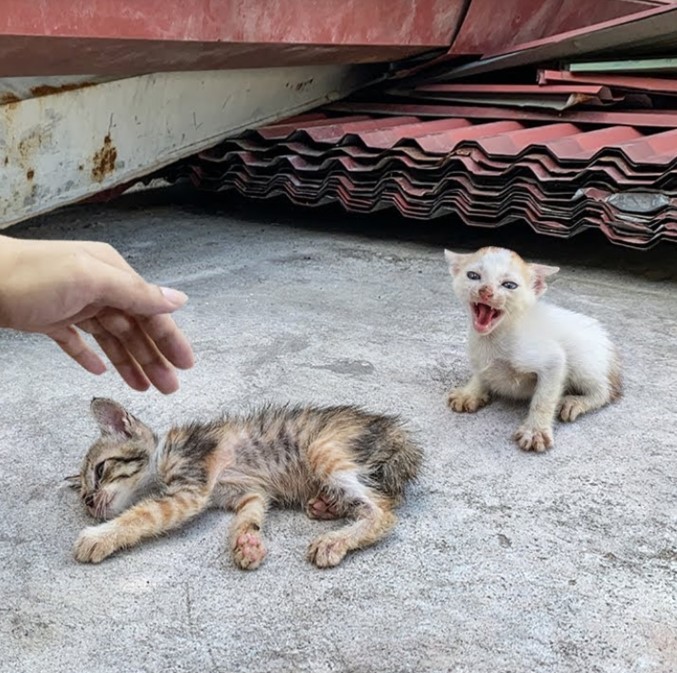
559,177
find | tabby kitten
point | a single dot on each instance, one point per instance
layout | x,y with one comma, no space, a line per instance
523,348
336,461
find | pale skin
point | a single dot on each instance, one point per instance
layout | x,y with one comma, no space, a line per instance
63,288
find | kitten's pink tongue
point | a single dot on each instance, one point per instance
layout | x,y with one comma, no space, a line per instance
483,316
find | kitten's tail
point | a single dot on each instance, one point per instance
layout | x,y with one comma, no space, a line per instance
393,458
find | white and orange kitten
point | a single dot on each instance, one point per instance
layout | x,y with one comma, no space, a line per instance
526,349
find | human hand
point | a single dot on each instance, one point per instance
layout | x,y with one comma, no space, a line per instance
55,287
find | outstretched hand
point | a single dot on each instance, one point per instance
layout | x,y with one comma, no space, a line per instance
56,287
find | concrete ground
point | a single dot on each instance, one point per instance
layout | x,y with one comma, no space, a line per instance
502,562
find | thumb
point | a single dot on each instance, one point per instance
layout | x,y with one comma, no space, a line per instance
129,292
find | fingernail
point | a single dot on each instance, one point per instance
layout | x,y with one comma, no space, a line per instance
177,297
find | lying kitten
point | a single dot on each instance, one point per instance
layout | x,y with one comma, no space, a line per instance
523,348
337,461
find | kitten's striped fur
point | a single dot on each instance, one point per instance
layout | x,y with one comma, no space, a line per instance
335,461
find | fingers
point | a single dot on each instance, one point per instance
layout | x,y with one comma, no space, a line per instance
169,339
127,291
73,344
108,254
127,317
135,355
119,356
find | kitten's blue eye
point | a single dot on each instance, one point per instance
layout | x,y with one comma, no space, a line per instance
98,470
509,285
473,275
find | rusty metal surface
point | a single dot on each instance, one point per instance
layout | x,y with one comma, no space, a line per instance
15,89
125,37
72,143
559,177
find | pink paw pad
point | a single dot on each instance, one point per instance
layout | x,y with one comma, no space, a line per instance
249,550
319,508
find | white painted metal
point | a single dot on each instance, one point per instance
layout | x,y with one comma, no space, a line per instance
60,148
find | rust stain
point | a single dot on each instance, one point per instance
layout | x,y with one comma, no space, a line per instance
28,146
104,160
30,174
8,97
47,90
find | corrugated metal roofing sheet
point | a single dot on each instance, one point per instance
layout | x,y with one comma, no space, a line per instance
559,177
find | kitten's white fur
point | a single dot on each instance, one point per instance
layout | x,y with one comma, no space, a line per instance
524,348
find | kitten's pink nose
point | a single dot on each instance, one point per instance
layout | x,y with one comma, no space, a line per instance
486,292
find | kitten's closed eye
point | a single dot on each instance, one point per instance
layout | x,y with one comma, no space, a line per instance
73,481
99,470
473,275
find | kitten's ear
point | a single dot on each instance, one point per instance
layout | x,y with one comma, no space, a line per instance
455,261
539,272
113,418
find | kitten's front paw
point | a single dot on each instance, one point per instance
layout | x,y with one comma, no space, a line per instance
530,438
460,400
327,551
249,551
571,408
94,544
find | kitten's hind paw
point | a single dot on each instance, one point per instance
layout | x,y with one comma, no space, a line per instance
530,438
460,400
249,551
94,544
572,407
323,509
327,551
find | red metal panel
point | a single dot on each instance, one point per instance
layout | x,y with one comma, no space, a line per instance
655,118
131,37
386,138
585,145
490,27
422,23
649,84
540,96
650,31
288,127
545,88
331,133
446,142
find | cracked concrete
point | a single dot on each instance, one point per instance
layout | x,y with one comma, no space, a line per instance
502,561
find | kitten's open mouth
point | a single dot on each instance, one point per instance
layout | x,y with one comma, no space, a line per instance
484,317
